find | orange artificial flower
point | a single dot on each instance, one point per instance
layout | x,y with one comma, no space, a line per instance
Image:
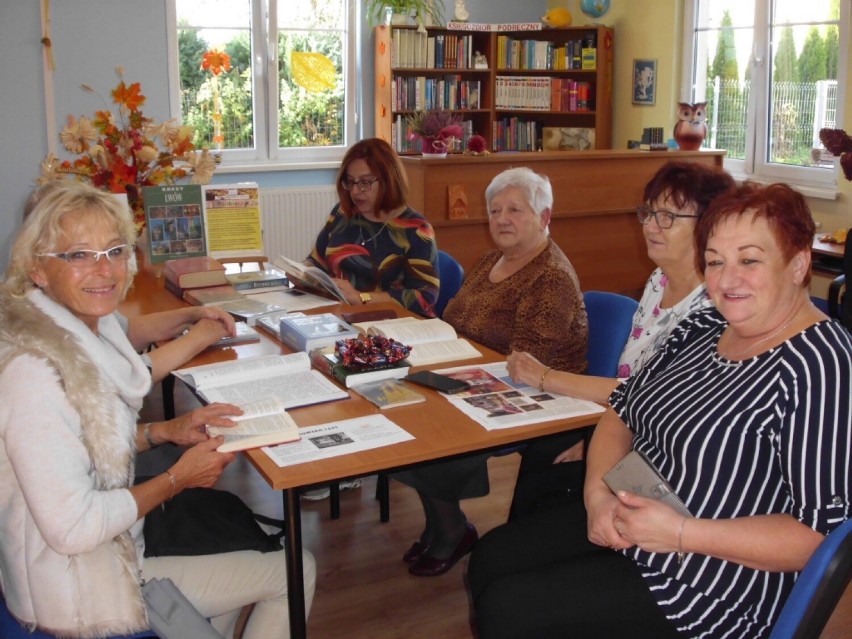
216,61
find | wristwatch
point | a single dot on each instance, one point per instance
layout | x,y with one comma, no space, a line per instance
365,297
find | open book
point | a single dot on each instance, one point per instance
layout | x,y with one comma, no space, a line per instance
264,422
290,378
309,275
432,340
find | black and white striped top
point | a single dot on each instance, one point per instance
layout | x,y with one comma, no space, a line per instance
770,434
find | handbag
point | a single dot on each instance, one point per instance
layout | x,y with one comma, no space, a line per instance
207,521
171,615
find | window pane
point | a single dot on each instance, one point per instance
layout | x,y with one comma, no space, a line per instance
215,100
803,85
311,53
723,43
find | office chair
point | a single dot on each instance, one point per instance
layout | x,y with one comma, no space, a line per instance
610,320
819,587
451,276
839,301
11,629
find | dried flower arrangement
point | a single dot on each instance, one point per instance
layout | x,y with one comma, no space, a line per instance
839,143
124,152
477,145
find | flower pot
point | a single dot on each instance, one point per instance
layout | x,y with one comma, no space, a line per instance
433,147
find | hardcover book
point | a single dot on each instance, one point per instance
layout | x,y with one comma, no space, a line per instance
212,295
389,393
264,422
195,272
267,279
310,276
325,361
249,309
314,331
174,223
271,322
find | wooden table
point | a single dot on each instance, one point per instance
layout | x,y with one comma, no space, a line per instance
827,257
440,431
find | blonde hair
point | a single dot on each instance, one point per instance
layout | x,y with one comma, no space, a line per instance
42,228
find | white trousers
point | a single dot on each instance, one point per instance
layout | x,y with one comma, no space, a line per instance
220,585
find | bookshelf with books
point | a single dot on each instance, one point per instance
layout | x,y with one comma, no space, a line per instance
538,84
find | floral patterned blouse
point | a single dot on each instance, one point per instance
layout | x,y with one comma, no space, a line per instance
653,324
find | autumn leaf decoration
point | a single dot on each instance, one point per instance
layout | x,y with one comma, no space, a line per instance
122,152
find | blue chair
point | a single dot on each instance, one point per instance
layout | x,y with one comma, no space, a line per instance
610,322
818,589
451,275
11,629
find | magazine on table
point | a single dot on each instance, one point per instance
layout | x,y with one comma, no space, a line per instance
338,438
495,401
288,377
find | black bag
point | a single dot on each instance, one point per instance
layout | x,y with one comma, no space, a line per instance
205,521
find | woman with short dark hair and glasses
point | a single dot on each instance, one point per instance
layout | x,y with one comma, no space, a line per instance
674,199
377,247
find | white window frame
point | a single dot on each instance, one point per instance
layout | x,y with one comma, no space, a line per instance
812,182
267,155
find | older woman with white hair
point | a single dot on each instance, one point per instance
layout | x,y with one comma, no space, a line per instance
71,386
522,296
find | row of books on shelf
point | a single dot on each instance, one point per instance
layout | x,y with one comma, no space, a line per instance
537,93
423,93
403,142
546,55
414,50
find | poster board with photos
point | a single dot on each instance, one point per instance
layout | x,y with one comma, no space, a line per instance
559,138
174,221
232,220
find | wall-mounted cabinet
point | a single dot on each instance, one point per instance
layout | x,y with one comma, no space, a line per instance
521,90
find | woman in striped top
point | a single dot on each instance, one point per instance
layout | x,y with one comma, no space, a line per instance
746,411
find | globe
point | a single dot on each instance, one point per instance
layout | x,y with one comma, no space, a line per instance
594,8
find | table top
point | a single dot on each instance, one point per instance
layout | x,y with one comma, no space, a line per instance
827,248
440,430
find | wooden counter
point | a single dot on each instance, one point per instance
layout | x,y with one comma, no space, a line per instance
595,197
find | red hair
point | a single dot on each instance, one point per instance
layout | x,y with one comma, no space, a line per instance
784,209
384,163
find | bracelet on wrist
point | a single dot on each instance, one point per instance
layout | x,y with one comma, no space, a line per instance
680,553
541,379
146,432
172,483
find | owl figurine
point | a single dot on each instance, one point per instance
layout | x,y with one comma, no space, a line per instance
690,129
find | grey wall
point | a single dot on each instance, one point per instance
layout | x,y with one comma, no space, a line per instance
90,38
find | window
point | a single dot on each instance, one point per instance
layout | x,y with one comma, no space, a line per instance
268,82
772,73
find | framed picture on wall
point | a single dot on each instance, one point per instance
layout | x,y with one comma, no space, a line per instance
644,82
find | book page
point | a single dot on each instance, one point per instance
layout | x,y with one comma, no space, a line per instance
293,389
293,300
310,275
225,373
446,351
416,332
256,431
376,325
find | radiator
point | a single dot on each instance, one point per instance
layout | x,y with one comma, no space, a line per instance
292,218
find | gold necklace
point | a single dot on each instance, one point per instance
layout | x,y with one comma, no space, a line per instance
763,339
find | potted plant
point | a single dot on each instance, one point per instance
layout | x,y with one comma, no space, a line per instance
437,130
425,10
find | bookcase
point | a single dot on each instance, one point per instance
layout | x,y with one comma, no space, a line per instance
545,89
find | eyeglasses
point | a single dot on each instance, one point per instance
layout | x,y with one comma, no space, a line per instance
363,184
664,219
83,258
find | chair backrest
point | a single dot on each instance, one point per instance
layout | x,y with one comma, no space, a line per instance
610,321
818,589
451,275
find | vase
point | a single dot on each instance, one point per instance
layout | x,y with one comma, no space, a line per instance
433,147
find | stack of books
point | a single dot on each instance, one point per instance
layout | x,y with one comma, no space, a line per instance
199,280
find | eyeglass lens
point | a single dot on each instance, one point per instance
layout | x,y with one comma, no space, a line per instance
363,185
85,256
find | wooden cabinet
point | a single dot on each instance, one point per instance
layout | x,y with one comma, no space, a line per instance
595,195
529,95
